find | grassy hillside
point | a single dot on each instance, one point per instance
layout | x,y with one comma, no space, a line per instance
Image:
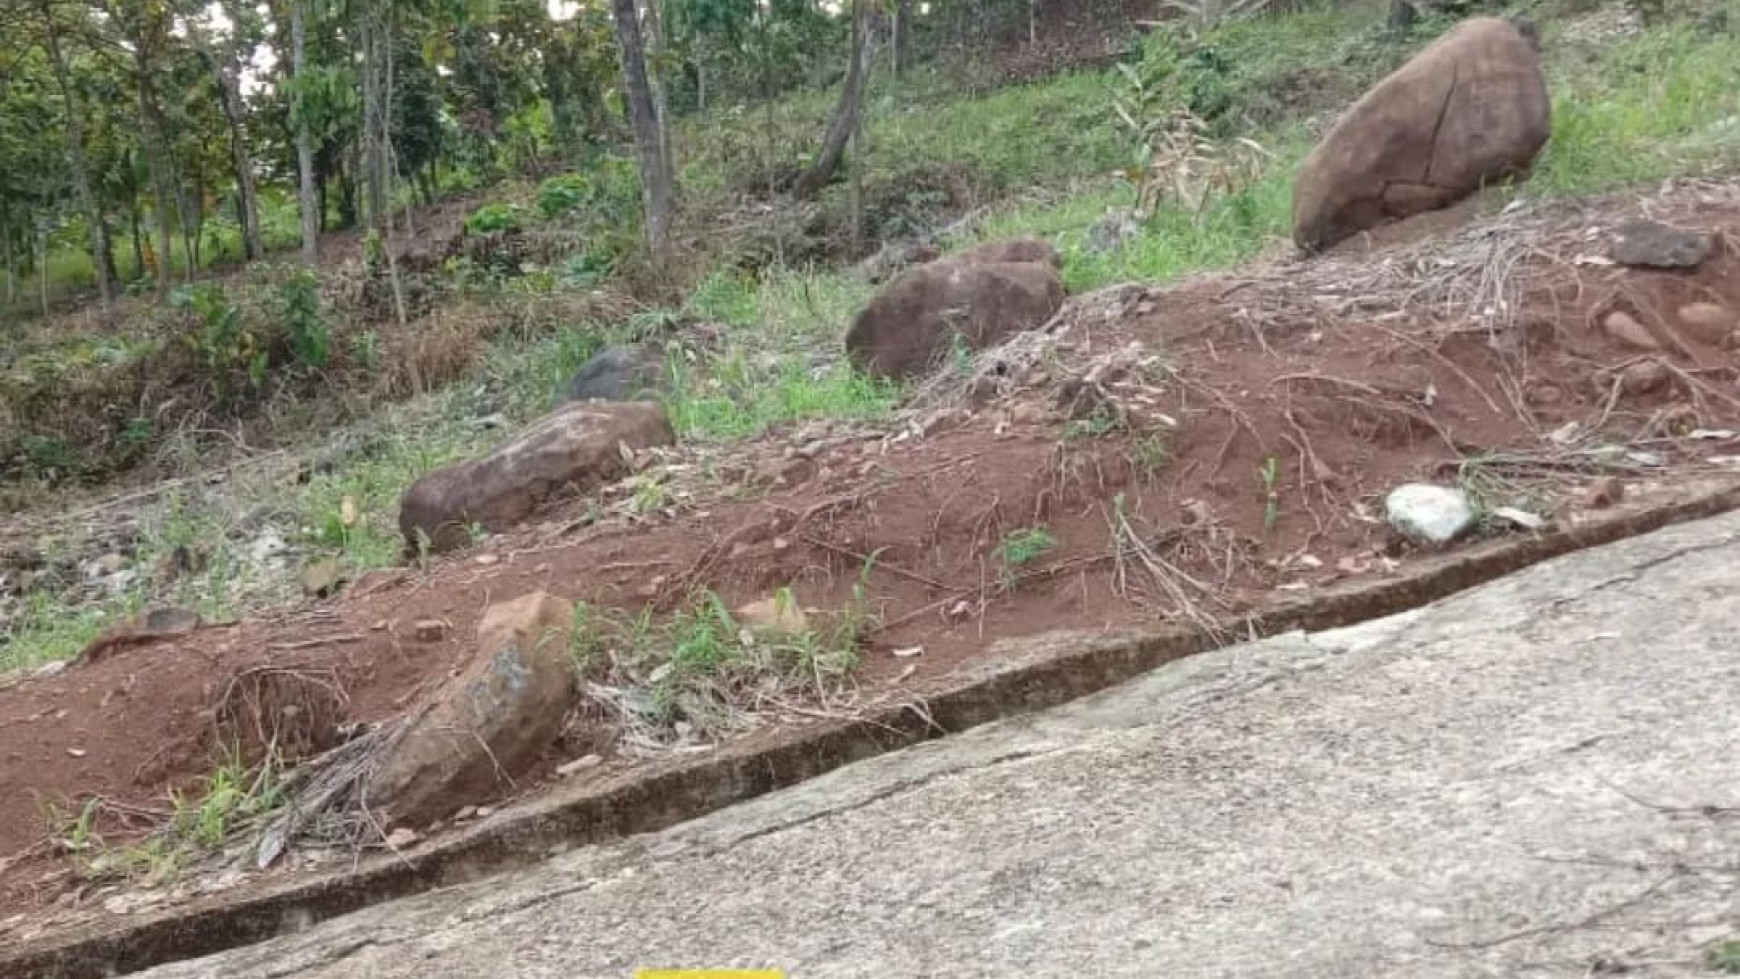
1631,106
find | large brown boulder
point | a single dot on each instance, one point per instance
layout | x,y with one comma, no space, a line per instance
1023,249
913,322
1469,109
570,451
468,739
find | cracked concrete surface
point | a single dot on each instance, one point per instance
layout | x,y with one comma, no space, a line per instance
1540,777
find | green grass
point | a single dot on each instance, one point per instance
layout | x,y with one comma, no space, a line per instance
702,667
1646,108
45,629
233,800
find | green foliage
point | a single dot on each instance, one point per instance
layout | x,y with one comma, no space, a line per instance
1020,548
561,194
225,344
738,398
1724,957
495,217
310,340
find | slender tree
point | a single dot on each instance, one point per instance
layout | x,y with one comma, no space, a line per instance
75,149
308,203
655,175
845,118
226,60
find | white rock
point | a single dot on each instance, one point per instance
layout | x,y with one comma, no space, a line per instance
579,764
402,837
1433,514
1522,518
51,668
267,546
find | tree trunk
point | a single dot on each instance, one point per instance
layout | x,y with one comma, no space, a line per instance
247,201
138,244
377,86
655,175
306,199
700,77
162,187
6,262
855,164
106,256
900,8
655,38
42,267
75,147
845,118
374,120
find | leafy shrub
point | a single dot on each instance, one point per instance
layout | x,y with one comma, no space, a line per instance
616,180
563,193
310,340
223,342
588,268
491,218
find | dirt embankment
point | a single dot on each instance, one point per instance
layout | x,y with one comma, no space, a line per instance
1187,453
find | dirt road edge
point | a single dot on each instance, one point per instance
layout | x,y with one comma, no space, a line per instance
1032,674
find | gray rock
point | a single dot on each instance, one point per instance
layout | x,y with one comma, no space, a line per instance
1109,233
628,373
1429,514
1653,245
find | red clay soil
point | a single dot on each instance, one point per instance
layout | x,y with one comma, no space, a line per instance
1349,392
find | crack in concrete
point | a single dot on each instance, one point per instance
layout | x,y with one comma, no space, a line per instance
888,792
1638,570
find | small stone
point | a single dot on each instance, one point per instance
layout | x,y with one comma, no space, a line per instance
1027,413
128,902
53,667
402,837
579,765
908,652
484,812
320,578
467,812
487,559
1521,518
111,563
1643,377
429,630
1651,244
1622,327
379,626
76,752
267,546
779,615
1707,323
1427,513
1604,492
781,544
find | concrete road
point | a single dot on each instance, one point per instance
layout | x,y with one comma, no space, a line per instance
1537,778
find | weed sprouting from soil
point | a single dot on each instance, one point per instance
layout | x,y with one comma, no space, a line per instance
233,801
1269,475
702,671
1020,548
